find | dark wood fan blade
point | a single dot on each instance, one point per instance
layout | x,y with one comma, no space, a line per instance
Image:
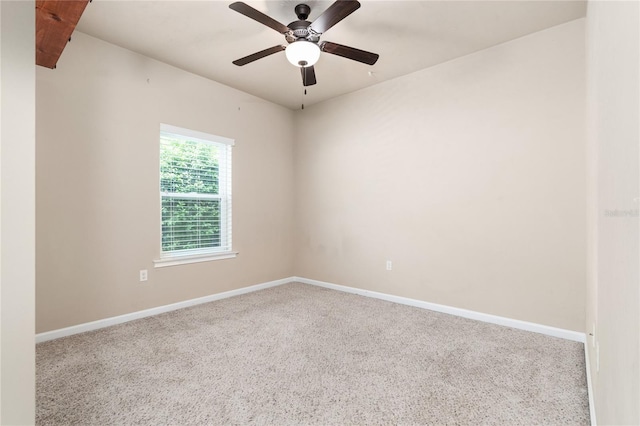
334,14
308,76
256,15
350,52
258,55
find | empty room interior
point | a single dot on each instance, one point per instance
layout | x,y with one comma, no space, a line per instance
434,220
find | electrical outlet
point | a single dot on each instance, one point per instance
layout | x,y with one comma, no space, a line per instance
389,265
143,275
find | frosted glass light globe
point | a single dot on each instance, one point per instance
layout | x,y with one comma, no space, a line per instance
303,53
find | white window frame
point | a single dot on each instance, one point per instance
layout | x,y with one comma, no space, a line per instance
180,257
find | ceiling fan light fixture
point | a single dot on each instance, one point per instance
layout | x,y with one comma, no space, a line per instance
302,53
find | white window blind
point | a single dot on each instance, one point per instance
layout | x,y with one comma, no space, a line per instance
195,191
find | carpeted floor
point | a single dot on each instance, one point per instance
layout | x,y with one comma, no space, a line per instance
299,354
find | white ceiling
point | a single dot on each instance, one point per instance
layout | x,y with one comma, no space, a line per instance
203,37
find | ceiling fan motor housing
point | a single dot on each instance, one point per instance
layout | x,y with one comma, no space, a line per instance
300,30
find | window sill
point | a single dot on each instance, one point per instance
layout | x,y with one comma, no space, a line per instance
183,260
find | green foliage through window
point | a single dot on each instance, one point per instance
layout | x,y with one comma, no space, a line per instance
190,183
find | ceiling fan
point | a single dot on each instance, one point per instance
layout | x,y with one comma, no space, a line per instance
303,37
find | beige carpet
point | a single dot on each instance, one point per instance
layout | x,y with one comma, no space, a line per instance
298,354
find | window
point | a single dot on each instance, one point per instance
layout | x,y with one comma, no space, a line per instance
195,192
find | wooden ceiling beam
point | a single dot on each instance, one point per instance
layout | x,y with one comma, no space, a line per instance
55,22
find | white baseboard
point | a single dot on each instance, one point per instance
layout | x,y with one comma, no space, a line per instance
95,325
592,404
478,316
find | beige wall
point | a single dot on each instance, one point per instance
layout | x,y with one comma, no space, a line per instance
469,176
614,137
17,212
98,117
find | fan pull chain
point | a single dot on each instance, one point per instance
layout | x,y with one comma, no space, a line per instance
304,94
